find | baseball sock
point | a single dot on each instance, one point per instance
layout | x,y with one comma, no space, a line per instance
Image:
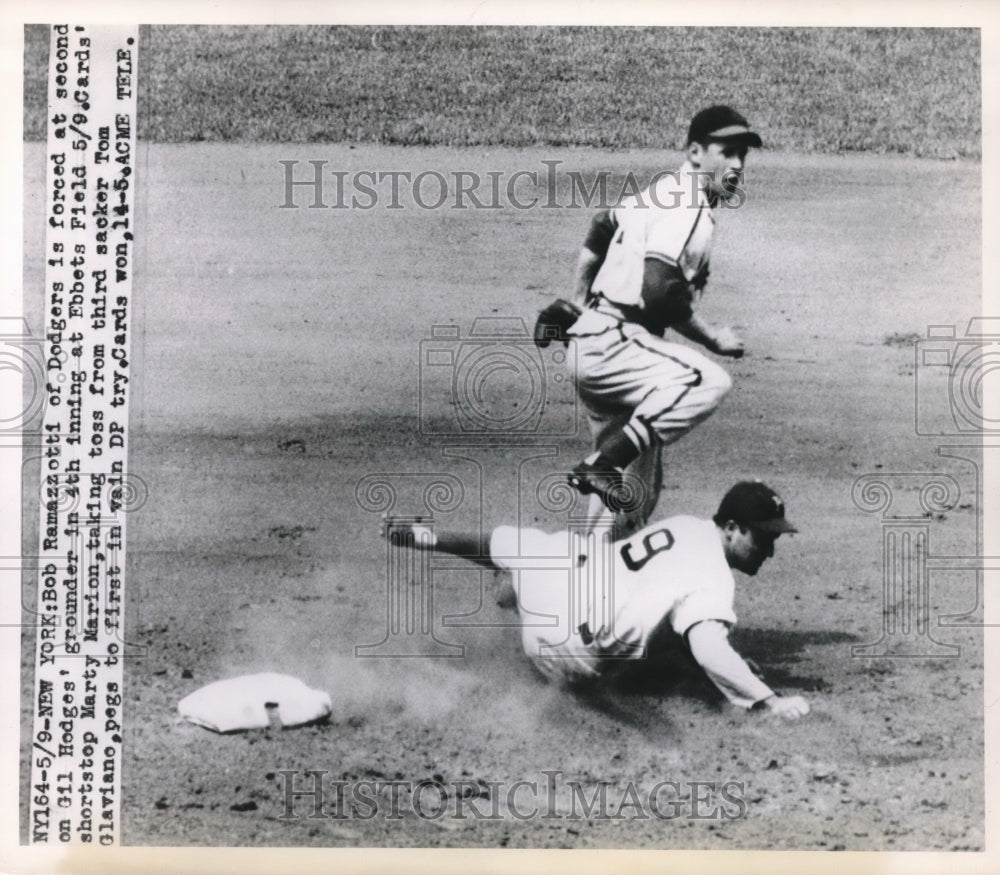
624,446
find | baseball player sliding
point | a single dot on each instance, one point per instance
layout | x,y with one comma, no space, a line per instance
585,614
642,270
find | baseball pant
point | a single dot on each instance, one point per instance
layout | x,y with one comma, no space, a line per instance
557,598
627,375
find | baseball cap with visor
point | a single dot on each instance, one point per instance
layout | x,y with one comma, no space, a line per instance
752,504
718,124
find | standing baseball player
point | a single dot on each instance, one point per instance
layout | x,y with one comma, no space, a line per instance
586,614
642,270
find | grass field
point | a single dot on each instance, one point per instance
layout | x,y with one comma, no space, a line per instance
908,91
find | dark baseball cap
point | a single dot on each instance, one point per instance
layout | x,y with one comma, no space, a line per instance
721,124
751,503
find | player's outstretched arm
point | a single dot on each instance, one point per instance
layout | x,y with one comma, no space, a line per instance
720,340
421,536
709,643
668,302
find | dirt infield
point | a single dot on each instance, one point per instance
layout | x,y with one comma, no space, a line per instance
281,355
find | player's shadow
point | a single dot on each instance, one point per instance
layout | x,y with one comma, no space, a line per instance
638,692
668,670
777,651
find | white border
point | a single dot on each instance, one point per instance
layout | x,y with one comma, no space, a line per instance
892,13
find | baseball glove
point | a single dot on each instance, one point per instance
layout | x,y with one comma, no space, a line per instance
554,321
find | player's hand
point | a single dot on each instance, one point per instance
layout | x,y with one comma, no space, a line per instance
728,342
789,707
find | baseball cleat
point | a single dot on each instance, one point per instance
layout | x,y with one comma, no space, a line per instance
607,482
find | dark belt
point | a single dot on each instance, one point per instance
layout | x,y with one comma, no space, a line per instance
621,312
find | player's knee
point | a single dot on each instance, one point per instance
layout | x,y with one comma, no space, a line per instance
716,383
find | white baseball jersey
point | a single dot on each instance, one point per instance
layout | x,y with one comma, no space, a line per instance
671,220
578,617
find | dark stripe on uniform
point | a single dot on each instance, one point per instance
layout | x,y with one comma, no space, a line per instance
687,388
638,342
